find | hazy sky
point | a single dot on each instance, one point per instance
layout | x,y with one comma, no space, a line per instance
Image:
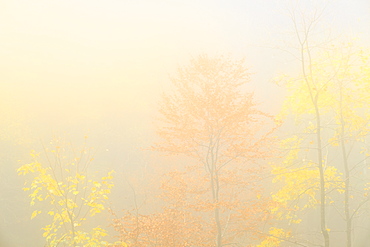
66,61
98,67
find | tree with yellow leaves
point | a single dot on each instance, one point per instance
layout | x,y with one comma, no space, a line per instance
329,104
307,97
350,107
61,185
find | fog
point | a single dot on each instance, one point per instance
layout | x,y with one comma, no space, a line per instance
92,74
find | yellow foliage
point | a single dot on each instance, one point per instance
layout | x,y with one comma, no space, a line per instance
274,238
64,196
35,213
334,88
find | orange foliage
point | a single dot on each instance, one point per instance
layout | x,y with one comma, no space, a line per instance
172,227
214,200
209,112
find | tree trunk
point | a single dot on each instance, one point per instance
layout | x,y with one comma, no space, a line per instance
346,171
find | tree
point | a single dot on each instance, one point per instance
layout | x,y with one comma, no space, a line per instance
61,184
327,102
172,225
213,122
340,82
350,103
308,96
167,224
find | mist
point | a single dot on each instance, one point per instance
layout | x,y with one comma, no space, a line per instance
97,86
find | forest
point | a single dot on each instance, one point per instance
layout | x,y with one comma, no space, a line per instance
193,150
